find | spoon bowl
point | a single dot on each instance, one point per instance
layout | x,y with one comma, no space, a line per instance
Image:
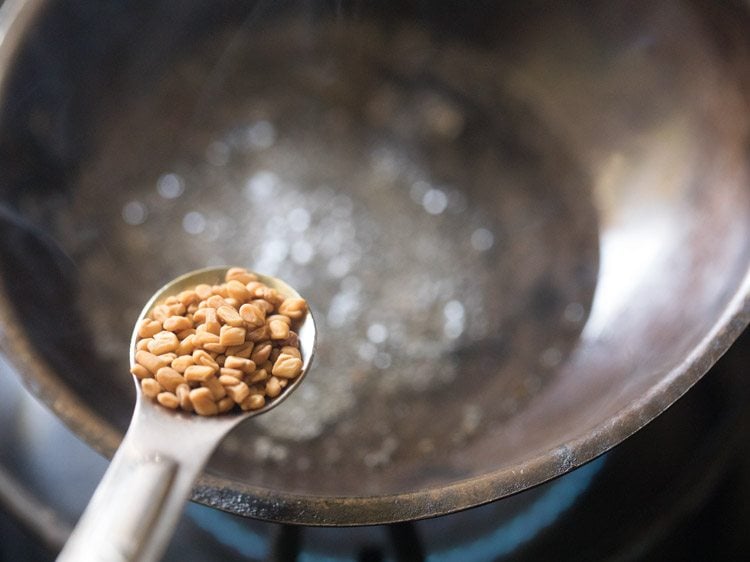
211,276
136,506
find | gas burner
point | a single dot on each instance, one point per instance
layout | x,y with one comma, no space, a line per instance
675,490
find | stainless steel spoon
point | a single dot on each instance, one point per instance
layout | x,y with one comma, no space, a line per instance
137,504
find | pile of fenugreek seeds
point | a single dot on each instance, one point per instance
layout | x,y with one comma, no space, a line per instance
211,348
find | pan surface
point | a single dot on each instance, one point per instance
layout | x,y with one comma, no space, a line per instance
523,227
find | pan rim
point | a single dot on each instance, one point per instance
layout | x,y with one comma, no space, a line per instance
318,510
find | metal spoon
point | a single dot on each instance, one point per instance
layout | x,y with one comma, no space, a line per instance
137,504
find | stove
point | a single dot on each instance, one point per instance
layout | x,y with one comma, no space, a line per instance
677,490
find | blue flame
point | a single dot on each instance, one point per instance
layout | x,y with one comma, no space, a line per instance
559,496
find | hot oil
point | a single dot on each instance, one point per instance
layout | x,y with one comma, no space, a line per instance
444,238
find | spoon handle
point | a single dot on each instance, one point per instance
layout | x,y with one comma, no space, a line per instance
135,508
121,516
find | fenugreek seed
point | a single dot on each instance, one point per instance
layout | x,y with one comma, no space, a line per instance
238,392
203,402
216,301
140,371
294,308
161,312
231,335
168,400
171,299
258,334
201,357
215,348
203,291
163,342
165,335
237,290
159,346
240,274
192,308
177,324
211,323
234,303
177,309
279,329
150,361
245,350
199,373
261,292
234,272
220,290
202,338
168,357
255,289
186,346
234,362
142,345
212,327
273,388
230,316
151,388
267,365
258,376
292,340
148,328
183,395
287,366
253,315
216,388
263,304
245,278
280,317
272,296
230,380
253,402
261,353
275,352
182,362
289,350
169,378
237,373
283,382
188,297
225,404
199,316
185,333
